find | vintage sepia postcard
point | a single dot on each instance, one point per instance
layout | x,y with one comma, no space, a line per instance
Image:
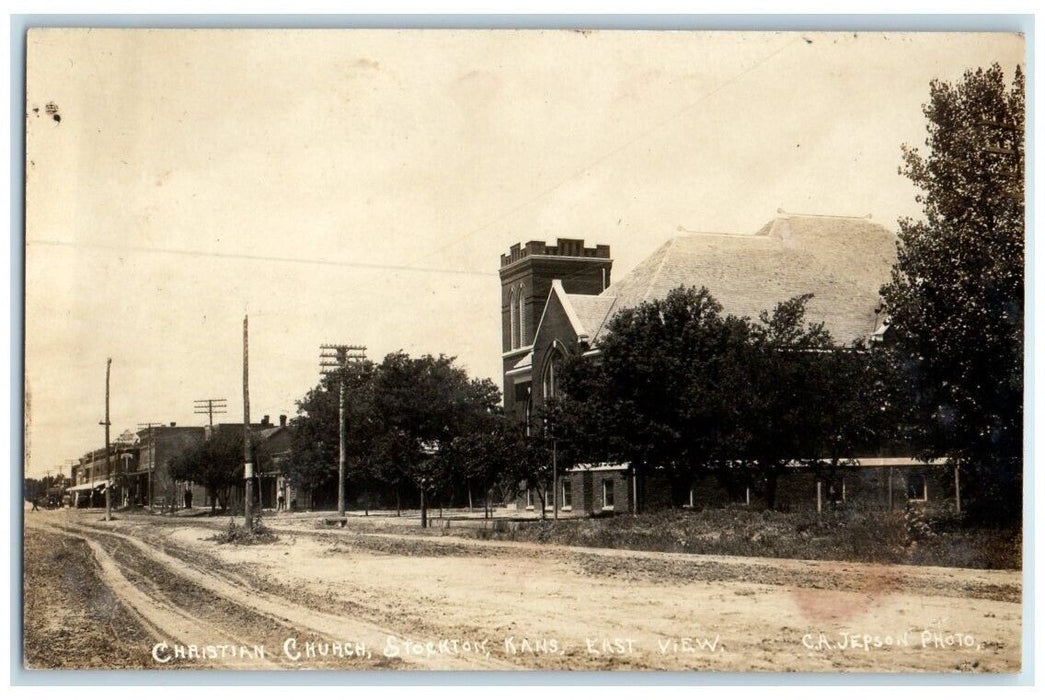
513,350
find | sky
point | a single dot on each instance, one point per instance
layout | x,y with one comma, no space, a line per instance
358,186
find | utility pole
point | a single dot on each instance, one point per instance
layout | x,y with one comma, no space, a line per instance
152,457
108,465
209,407
248,458
550,434
555,479
334,359
890,489
424,503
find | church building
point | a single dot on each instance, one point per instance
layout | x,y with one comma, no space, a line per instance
556,300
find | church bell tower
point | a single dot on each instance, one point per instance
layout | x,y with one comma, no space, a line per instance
526,274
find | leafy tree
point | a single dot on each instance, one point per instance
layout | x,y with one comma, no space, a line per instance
403,416
859,385
683,390
217,463
315,434
35,489
799,398
419,406
659,396
956,294
778,389
585,415
484,455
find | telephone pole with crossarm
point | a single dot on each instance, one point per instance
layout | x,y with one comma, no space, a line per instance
333,359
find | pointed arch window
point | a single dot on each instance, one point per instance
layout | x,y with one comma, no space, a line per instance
513,321
529,414
550,380
522,319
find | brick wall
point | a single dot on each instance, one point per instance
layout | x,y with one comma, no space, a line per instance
590,488
796,490
862,487
529,270
170,442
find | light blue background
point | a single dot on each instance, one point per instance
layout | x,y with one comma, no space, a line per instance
21,23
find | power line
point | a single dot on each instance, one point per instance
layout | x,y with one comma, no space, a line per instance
612,152
412,265
209,407
257,258
333,357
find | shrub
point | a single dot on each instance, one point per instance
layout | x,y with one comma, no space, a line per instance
239,534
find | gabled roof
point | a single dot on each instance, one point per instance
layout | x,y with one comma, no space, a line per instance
522,365
586,312
266,433
842,261
590,312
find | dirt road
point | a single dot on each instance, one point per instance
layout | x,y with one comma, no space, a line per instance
360,599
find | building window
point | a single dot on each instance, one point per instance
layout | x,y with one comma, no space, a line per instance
916,490
550,381
522,319
607,494
567,494
513,321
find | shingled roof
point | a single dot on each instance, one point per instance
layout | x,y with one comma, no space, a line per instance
841,261
591,311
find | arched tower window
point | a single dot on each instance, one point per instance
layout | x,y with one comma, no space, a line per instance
522,319
529,413
550,380
513,320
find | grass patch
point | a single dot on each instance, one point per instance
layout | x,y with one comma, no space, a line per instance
914,536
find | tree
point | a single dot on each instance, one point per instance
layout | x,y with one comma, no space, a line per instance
800,399
859,386
419,406
485,455
217,463
35,489
533,466
315,431
585,415
778,392
682,390
658,396
956,295
403,416
654,398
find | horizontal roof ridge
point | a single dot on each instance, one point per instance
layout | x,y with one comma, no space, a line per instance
791,214
688,233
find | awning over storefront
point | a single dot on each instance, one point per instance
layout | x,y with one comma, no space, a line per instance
91,486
